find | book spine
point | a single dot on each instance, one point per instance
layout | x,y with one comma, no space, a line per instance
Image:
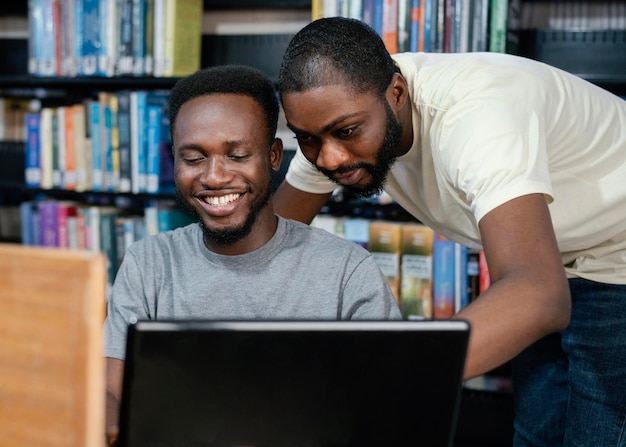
461,294
46,142
124,19
28,219
124,140
497,27
148,21
32,172
158,40
80,146
138,140
443,277
138,30
95,132
49,223
417,260
35,42
153,142
57,153
385,244
92,38
69,175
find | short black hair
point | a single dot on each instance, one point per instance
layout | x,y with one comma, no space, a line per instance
335,50
220,79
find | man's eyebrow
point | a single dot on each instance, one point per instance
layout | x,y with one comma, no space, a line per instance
328,127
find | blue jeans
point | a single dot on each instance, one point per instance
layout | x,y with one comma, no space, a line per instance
570,387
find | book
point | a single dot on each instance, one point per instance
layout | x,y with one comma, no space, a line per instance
158,39
32,170
138,131
385,244
82,151
497,26
148,20
138,30
96,136
48,218
65,211
443,277
124,28
389,31
30,223
124,140
35,41
58,155
416,296
183,35
47,152
153,148
92,38
68,142
404,25
461,285
108,243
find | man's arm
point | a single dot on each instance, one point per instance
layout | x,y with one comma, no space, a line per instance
293,203
529,297
114,377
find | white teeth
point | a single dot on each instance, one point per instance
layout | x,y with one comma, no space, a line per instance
222,200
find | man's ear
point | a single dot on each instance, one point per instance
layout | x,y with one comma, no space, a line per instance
276,154
397,92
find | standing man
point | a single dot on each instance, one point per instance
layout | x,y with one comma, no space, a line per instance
240,260
495,152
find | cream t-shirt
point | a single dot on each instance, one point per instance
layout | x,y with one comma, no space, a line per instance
489,127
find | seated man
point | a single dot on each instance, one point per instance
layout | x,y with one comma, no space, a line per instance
240,261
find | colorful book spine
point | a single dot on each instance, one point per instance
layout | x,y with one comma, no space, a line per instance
92,38
32,173
497,26
385,244
124,140
389,30
461,287
48,215
417,262
30,223
69,143
443,277
153,143
183,36
138,130
95,133
138,30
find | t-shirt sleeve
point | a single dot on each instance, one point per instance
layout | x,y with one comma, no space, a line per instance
494,151
303,175
126,305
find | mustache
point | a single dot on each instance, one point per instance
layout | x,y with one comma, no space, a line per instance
345,169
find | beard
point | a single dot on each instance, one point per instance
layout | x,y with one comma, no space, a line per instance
385,158
227,236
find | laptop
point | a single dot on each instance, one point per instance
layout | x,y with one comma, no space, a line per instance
292,384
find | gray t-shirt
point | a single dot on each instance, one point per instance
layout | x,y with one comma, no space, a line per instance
301,273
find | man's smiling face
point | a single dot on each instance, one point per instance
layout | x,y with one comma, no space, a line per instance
223,164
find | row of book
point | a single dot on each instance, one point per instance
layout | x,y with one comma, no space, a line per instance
427,25
119,142
430,276
109,229
114,37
